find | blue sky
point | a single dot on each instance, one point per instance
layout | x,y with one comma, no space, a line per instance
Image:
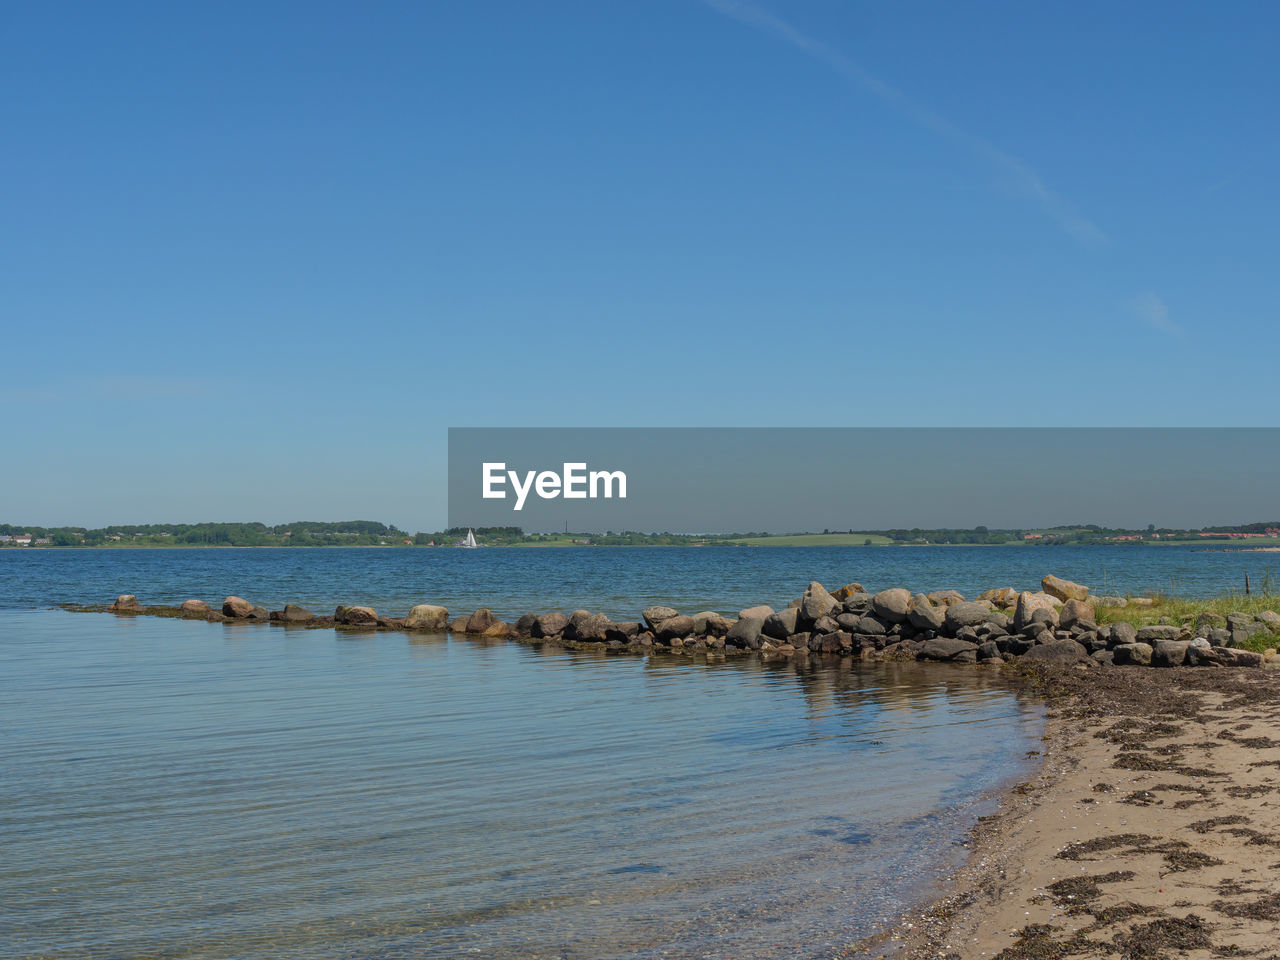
255,260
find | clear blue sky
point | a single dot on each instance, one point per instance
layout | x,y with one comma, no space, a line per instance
255,259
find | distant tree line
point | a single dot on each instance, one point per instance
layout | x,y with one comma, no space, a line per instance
315,533
304,533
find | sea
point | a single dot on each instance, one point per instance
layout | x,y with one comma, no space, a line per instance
182,789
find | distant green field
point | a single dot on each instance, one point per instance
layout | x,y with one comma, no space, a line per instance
816,540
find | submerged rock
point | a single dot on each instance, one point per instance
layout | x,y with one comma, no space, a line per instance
356,616
126,601
292,613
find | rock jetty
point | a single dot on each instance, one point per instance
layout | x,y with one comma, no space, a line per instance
1058,623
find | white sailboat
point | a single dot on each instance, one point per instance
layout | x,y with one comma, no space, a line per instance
470,542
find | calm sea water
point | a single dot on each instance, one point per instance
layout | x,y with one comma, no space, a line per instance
174,789
618,581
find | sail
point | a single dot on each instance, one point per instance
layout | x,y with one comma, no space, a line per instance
471,540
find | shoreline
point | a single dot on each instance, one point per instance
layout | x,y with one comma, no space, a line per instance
1149,826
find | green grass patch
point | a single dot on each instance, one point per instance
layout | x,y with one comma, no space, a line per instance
1181,611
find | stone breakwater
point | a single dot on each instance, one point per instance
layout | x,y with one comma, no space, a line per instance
1057,623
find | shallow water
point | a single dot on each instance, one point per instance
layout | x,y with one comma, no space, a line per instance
184,789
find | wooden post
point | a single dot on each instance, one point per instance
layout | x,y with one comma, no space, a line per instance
1246,584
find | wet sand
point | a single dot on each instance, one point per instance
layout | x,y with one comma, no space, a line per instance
1152,829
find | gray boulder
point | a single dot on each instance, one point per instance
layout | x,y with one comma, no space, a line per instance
677,626
891,605
1170,653
1074,611
1137,654
871,626
593,628
1153,633
1122,632
1028,605
923,615
655,615
548,625
1059,651
746,634
943,649
126,601
624,632
966,614
761,612
825,625
816,603
780,625
711,624
198,607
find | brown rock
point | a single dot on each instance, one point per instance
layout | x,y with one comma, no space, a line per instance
427,617
1028,604
1075,611
480,621
1064,589
356,616
236,607
847,591
126,601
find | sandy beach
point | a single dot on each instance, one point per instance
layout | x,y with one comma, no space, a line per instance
1149,831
